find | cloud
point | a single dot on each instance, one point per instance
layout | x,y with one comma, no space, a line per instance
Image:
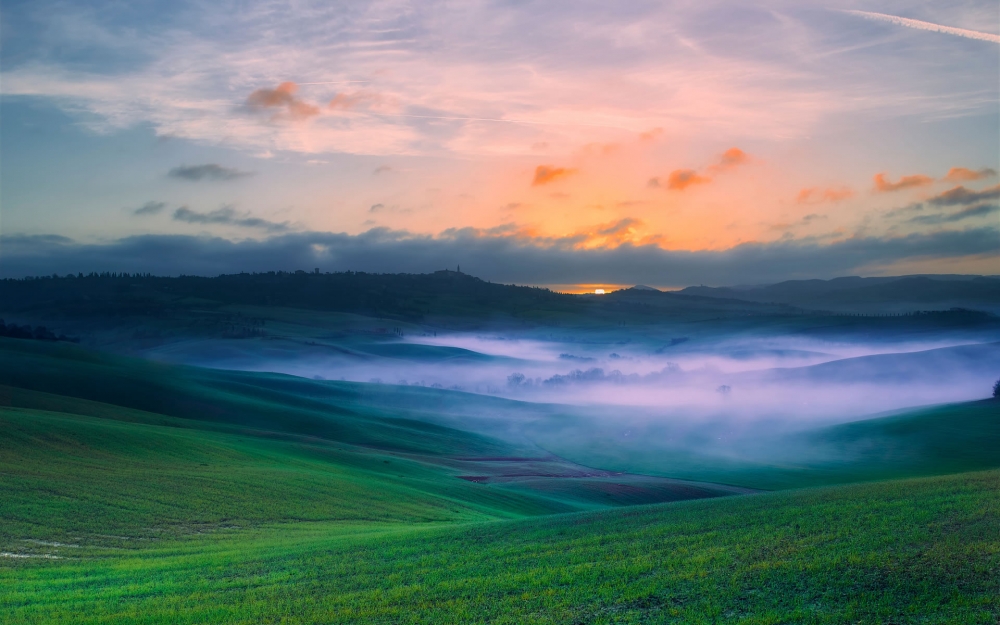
962,196
979,210
814,195
544,174
149,208
502,255
210,171
178,75
282,97
227,216
962,174
621,226
906,182
806,220
733,157
681,179
938,28
382,169
607,235
376,208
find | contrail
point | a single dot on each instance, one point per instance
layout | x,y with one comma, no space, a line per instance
905,21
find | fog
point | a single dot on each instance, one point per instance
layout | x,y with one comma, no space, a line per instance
795,381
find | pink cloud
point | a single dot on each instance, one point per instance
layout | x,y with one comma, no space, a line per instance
906,182
963,174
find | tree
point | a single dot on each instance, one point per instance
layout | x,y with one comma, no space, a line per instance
996,389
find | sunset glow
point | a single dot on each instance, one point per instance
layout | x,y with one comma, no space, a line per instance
697,135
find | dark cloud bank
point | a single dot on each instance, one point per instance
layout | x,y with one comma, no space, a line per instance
494,257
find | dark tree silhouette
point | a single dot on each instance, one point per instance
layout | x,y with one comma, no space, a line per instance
996,389
41,333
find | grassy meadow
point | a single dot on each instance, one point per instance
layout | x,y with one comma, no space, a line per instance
909,551
141,492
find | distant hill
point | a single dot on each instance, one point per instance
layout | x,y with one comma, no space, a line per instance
444,298
855,294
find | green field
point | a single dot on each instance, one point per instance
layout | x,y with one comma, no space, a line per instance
914,551
136,492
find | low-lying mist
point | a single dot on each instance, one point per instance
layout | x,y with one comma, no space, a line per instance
797,382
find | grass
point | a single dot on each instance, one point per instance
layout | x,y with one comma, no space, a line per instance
66,475
141,449
911,551
133,492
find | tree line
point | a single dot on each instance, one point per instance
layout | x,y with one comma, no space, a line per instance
38,333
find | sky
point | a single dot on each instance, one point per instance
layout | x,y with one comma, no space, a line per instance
551,143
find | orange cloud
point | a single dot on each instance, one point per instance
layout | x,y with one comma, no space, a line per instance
733,157
283,96
544,174
962,174
681,179
906,182
815,195
607,235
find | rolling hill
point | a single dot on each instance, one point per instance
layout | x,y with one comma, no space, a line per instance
870,295
138,492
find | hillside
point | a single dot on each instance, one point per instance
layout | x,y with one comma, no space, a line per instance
213,446
871,295
137,492
913,551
